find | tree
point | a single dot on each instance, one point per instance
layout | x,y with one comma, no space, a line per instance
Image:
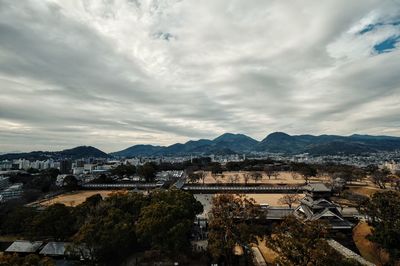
85,209
45,181
103,179
121,170
108,235
32,170
308,171
347,174
233,178
202,176
194,177
380,177
383,210
32,259
131,203
246,177
70,183
233,166
165,224
302,244
51,172
55,221
256,176
232,222
215,177
215,168
17,221
269,171
295,175
30,195
161,227
289,199
148,171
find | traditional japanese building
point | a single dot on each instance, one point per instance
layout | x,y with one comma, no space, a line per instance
316,206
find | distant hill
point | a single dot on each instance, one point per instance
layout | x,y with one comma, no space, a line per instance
138,150
279,142
339,147
74,153
227,143
235,142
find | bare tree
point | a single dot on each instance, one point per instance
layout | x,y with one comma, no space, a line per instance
256,176
275,174
215,177
246,177
295,175
289,199
235,178
380,177
202,176
269,171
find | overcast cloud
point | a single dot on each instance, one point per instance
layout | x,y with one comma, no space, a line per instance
117,73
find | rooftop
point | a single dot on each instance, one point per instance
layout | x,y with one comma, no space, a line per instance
24,246
317,187
54,249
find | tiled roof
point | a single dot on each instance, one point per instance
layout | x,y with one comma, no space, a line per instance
24,246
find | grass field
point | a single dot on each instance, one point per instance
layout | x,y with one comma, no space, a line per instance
75,198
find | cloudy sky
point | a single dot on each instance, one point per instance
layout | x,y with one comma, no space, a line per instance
117,73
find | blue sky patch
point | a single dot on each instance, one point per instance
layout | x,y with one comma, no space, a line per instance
370,27
387,45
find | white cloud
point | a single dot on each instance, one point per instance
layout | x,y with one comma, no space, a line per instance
116,73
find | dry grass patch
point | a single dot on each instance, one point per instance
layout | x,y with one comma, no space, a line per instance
365,191
238,177
271,199
75,198
368,249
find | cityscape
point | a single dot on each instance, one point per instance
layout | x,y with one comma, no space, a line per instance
215,133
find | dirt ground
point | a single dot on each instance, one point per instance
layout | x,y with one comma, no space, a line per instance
270,199
368,250
75,198
268,254
238,177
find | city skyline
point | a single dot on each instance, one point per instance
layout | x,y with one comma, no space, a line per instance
119,73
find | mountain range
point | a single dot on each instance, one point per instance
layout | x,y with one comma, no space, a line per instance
277,142
229,143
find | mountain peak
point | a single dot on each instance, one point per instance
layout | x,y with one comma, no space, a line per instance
277,136
231,137
84,151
